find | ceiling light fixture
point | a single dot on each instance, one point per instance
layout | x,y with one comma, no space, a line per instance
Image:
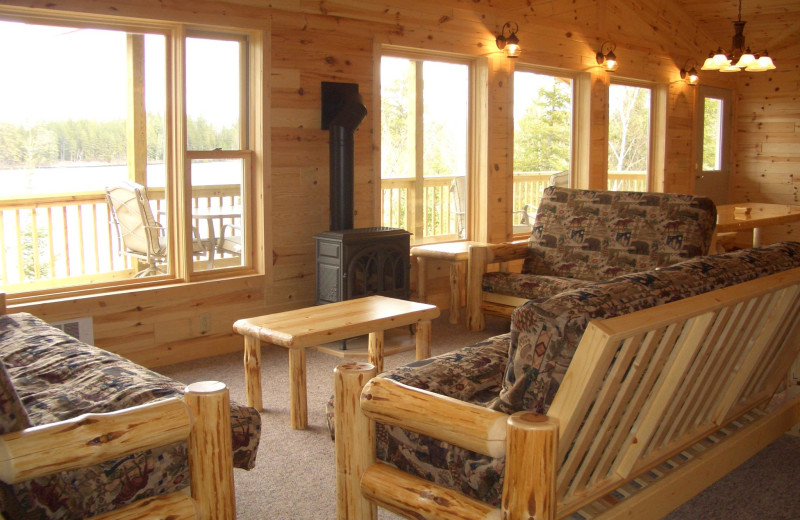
510,43
689,72
609,58
739,57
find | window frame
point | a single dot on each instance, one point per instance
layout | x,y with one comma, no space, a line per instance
656,151
177,157
471,160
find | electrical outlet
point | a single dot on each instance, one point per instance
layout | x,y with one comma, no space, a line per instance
205,323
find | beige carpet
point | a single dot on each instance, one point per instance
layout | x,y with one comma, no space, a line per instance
294,476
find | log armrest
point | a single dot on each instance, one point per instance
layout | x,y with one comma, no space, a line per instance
527,440
201,418
479,259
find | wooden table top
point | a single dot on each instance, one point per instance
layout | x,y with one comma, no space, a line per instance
446,251
761,215
311,326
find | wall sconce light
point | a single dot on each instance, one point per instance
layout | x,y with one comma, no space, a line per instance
690,75
510,43
609,58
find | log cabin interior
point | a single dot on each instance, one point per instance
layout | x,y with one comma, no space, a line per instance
294,46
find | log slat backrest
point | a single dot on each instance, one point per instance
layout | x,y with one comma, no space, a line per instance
644,387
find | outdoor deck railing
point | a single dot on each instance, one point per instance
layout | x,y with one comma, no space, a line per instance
56,240
439,221
72,237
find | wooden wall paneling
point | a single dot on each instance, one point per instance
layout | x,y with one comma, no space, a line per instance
310,42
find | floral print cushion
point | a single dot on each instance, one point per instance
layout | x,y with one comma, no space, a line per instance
57,377
546,332
530,286
598,235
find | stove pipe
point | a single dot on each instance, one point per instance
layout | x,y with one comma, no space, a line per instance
342,112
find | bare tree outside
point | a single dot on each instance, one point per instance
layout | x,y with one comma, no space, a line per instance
628,132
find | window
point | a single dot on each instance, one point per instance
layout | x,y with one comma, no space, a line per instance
543,111
712,161
425,112
71,128
629,137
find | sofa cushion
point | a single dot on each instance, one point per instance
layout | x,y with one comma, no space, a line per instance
597,235
530,286
546,332
58,377
13,416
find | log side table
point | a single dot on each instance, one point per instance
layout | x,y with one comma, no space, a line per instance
457,254
299,329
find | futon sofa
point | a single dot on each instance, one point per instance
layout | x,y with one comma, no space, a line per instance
594,395
583,236
51,381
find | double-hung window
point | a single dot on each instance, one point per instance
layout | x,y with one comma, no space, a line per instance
425,114
124,152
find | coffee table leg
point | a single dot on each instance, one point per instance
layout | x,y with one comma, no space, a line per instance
252,371
375,350
423,340
298,413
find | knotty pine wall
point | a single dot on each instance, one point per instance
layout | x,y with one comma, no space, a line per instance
767,141
311,42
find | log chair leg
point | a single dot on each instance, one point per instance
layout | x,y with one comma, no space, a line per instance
354,441
298,413
252,372
375,350
476,267
422,275
529,487
211,450
456,269
423,340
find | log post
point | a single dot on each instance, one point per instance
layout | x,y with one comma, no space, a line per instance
211,450
298,397
422,276
476,267
529,488
354,441
423,340
375,350
252,371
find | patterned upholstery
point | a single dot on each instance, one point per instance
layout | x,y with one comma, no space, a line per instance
57,377
13,416
544,336
596,235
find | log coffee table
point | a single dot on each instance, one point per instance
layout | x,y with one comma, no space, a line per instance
299,329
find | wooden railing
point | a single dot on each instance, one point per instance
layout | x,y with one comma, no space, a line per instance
439,221
59,240
435,206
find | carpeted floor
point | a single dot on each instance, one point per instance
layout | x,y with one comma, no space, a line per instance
294,476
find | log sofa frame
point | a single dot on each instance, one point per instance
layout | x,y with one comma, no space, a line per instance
479,302
201,418
655,406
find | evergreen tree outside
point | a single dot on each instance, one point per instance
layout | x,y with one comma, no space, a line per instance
542,134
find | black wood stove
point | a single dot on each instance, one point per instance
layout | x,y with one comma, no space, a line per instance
352,263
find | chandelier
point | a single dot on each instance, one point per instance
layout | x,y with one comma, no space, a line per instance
738,57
